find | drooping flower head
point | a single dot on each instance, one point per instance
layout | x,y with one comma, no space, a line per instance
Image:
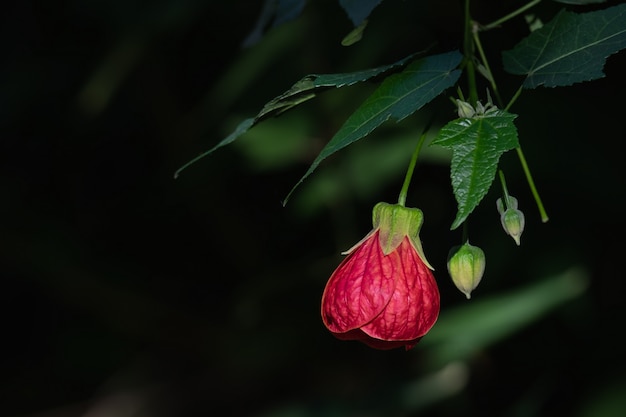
384,293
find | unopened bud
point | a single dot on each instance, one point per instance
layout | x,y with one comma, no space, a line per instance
511,218
465,109
466,266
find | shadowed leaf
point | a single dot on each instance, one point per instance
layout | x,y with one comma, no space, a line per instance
302,91
359,10
571,48
399,96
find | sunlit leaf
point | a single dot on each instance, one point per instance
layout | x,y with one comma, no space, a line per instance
476,145
398,96
571,48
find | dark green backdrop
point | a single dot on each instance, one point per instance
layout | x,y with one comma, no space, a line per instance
127,289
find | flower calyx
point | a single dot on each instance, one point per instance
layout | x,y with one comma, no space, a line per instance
395,222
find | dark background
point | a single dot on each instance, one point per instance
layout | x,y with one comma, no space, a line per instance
128,293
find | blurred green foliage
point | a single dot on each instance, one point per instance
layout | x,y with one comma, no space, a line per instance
129,293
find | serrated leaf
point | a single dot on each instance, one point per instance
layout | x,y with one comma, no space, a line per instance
359,10
307,87
301,91
476,145
571,48
397,97
240,130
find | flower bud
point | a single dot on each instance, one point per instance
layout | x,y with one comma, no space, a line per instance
511,218
465,109
466,266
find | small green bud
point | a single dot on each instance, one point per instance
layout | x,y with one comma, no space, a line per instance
465,109
511,218
466,266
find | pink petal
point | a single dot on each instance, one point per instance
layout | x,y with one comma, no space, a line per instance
359,289
414,306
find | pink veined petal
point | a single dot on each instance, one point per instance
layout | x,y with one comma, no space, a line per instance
414,306
359,289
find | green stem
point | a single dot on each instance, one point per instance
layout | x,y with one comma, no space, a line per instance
465,236
483,58
531,184
505,190
511,15
468,51
409,172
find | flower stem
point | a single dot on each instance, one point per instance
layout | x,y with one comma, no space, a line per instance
465,235
485,63
409,172
531,184
505,190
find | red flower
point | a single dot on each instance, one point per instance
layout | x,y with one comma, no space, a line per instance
383,293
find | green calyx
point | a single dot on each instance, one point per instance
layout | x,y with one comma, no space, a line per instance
511,218
395,222
466,266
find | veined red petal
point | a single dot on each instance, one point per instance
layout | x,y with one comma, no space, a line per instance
414,305
359,289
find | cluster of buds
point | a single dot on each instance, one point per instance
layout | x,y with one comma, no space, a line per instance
466,110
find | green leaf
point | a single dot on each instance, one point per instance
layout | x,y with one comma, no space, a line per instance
301,91
240,130
398,96
571,48
476,145
307,87
359,10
